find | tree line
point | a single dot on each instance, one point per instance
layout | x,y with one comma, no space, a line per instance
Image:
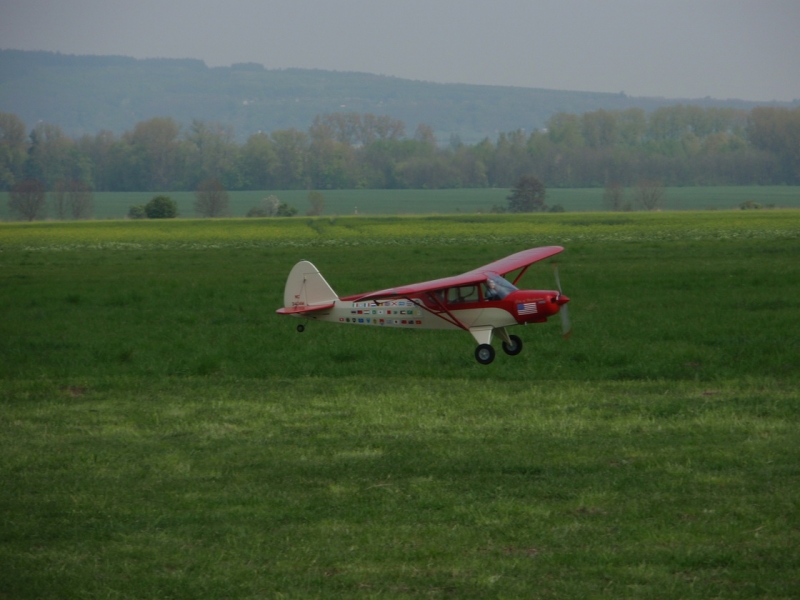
678,145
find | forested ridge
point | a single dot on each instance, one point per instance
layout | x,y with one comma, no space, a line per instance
677,145
112,123
87,94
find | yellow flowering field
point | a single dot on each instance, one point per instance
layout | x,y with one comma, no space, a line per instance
533,229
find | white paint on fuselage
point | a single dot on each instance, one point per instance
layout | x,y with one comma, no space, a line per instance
408,315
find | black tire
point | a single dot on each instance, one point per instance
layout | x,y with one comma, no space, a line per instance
515,347
301,328
484,354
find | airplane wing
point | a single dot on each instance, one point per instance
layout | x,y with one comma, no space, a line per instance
520,260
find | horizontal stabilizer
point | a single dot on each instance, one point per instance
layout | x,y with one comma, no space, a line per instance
300,310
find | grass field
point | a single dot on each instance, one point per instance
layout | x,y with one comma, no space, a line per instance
165,434
115,205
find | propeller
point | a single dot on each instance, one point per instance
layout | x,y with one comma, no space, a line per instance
566,325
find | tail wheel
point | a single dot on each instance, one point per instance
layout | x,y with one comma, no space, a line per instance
484,354
515,347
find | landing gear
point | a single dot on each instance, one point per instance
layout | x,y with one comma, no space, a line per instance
301,328
484,354
514,346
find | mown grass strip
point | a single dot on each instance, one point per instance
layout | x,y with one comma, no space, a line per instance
355,487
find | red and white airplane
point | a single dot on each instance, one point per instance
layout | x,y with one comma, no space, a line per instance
482,302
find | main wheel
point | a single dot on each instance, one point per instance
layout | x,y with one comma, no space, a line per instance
515,347
301,328
484,354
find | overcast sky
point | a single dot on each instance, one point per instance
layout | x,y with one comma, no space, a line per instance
747,49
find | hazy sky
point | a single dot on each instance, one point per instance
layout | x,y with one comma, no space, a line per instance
747,49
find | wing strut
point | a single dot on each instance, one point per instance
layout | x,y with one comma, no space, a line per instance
521,273
450,317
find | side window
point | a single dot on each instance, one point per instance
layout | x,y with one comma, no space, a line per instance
466,293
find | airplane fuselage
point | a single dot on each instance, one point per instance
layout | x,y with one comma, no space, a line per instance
428,311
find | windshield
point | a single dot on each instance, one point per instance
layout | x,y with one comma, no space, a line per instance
496,287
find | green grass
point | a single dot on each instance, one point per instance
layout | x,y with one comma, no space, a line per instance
115,205
367,486
163,433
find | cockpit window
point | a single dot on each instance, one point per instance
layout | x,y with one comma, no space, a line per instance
497,288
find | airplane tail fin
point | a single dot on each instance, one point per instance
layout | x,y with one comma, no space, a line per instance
306,288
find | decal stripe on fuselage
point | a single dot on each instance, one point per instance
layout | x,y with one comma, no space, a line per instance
405,313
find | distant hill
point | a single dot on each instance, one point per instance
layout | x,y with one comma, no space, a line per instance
85,94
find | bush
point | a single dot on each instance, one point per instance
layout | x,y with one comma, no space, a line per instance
749,205
268,208
256,211
286,210
136,211
161,207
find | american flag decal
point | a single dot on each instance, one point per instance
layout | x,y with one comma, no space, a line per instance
527,308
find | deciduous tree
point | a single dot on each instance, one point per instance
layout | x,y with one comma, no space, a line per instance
155,146
209,151
381,127
599,128
425,136
72,199
291,148
331,163
12,149
564,129
614,196
649,194
27,199
258,162
53,156
211,199
777,130
271,204
631,127
527,195
317,200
